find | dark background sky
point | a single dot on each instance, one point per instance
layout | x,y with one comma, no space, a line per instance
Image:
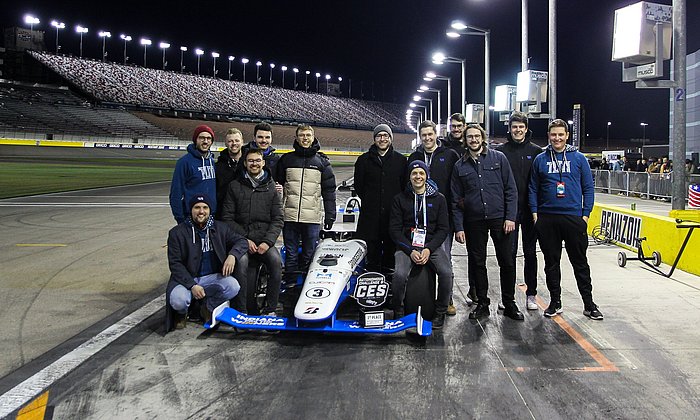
386,44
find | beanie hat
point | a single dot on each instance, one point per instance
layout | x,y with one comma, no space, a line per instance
200,129
419,164
383,127
199,198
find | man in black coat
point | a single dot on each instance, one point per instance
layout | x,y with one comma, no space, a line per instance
380,174
228,165
521,152
202,255
253,208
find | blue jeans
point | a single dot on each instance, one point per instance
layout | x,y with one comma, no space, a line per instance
181,297
296,233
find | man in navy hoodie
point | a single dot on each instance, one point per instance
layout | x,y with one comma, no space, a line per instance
561,199
194,174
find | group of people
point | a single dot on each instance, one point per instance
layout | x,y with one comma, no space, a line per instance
454,188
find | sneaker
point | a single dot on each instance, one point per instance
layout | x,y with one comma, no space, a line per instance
553,309
512,312
501,306
480,311
471,297
451,310
438,321
593,313
180,321
532,303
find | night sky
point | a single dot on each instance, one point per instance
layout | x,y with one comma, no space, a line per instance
381,45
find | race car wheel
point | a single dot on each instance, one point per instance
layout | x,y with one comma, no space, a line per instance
621,259
657,258
420,291
256,293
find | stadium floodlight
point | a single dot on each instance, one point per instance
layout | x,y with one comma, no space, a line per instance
125,38
295,70
215,55
284,68
340,79
328,77
81,30
440,58
416,98
57,25
257,72
104,35
230,60
244,61
145,42
31,21
198,52
317,76
272,67
164,46
306,80
183,49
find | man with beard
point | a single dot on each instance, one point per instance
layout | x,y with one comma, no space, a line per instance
308,180
229,163
254,209
379,175
483,183
194,174
521,152
202,255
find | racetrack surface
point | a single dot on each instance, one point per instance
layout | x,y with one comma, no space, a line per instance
75,263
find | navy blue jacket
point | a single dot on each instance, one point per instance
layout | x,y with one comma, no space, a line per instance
403,219
483,189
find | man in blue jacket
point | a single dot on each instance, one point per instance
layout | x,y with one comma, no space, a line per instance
194,174
561,199
485,201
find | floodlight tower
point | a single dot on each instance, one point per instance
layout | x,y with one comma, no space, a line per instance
183,49
145,42
104,35
296,71
244,61
57,25
81,30
214,55
284,69
440,58
230,60
257,71
198,52
164,46
272,67
125,38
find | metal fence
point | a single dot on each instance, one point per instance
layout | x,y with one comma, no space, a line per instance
639,184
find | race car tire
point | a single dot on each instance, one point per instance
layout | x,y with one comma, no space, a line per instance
256,292
420,291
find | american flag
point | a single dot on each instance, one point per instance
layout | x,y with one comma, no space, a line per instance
694,196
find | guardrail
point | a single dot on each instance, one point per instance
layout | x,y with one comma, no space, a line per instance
655,186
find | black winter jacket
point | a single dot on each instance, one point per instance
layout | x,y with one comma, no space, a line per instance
441,164
226,171
454,144
377,180
403,219
254,212
269,155
520,156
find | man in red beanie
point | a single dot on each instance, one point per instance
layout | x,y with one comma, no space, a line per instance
194,174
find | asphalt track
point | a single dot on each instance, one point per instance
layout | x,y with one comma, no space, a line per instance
80,270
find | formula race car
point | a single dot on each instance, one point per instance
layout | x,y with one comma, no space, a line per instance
336,273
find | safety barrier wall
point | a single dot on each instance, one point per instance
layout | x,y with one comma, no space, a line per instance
624,225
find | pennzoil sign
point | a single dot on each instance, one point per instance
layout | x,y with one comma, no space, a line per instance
621,227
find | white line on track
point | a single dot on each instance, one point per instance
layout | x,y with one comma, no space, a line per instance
39,382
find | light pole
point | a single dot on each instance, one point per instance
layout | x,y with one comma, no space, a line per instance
424,112
145,42
183,49
426,88
199,52
340,90
272,67
440,58
491,109
215,55
460,28
125,38
417,98
230,60
295,70
284,69
57,25
81,30
607,136
257,71
644,135
306,81
164,46
317,76
104,35
244,61
328,78
429,76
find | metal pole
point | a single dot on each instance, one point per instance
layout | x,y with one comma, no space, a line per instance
449,96
552,59
464,87
523,37
438,110
487,81
678,191
125,53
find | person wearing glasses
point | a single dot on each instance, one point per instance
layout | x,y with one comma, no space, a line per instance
379,175
485,203
253,209
308,184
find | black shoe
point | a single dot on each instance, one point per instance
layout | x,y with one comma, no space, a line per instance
593,313
471,297
553,309
481,310
438,321
180,320
511,311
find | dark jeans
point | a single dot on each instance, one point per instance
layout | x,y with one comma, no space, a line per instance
552,229
529,250
295,233
273,262
380,255
440,262
477,236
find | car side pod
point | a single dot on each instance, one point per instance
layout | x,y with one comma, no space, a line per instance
227,315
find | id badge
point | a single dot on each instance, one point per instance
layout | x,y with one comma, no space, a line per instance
419,238
560,189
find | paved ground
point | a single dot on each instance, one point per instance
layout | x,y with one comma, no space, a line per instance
74,264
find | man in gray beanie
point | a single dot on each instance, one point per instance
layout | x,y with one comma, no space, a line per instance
380,174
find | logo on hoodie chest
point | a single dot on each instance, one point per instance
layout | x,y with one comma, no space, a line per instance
553,168
207,172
